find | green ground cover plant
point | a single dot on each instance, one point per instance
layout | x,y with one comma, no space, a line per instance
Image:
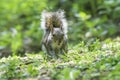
102,62
93,40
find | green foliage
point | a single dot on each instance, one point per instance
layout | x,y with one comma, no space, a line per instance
20,24
69,74
80,63
16,67
89,23
98,19
16,43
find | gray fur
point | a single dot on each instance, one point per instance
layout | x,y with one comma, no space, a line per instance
55,32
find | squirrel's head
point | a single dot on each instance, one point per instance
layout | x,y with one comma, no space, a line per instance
57,33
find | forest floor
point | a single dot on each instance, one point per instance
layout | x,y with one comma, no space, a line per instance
99,61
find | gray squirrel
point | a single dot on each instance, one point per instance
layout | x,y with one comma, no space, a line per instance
54,39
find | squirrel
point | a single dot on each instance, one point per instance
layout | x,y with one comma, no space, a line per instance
54,25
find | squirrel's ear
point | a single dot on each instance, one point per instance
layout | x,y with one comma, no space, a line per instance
61,13
44,12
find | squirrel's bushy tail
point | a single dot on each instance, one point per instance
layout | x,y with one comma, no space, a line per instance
53,19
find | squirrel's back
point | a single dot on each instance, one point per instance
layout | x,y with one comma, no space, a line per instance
53,20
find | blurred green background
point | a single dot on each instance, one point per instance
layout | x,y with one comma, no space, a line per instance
20,30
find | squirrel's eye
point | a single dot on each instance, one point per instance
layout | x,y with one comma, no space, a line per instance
53,34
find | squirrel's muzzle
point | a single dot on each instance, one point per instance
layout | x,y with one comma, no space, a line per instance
57,33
